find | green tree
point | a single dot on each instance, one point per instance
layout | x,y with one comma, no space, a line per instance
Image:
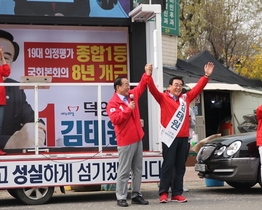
227,28
231,30
191,26
251,66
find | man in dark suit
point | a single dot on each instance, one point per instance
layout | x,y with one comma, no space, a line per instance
18,124
78,8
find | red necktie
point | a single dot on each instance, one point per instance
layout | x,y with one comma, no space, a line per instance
53,5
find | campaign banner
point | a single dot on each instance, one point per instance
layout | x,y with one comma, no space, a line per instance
47,172
83,63
76,62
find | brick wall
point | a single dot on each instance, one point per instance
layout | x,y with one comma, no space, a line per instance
169,45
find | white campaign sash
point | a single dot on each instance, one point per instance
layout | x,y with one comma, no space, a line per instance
168,134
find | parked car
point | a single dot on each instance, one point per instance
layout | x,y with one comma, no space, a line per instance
234,159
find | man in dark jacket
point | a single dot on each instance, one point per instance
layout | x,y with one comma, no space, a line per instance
18,120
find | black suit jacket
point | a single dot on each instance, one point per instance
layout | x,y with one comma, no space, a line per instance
17,112
80,8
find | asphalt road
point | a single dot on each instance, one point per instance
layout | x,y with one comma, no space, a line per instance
199,197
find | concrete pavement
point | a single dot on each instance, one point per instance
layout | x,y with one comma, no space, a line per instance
191,181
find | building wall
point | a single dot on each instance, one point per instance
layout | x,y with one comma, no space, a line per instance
243,103
169,50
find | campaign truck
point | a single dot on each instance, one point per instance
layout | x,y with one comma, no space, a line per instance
56,131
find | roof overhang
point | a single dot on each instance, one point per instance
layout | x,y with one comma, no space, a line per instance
224,86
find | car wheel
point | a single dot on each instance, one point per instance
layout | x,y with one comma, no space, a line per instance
34,196
241,185
259,176
12,192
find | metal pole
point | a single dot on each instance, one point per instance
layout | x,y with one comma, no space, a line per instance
36,120
154,49
99,109
159,66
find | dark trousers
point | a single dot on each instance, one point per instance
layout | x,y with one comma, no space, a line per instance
2,113
173,159
188,148
174,172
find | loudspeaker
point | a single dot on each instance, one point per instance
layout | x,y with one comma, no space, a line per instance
162,2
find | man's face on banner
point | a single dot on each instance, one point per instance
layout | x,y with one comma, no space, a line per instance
9,51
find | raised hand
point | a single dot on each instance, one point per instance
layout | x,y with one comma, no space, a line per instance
149,68
208,68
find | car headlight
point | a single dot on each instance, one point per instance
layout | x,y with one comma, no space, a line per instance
220,151
233,148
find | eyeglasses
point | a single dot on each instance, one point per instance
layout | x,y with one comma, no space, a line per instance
177,85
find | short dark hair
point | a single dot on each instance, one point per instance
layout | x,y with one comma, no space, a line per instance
176,77
118,81
8,36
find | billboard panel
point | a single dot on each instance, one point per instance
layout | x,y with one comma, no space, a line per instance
78,59
72,8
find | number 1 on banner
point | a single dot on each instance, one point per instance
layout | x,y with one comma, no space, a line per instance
48,113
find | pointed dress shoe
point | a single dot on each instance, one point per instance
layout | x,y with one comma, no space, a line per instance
122,203
139,200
